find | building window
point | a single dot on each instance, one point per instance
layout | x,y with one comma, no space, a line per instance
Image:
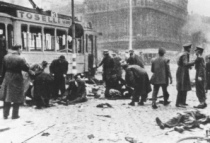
60,42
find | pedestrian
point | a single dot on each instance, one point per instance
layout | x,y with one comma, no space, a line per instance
137,78
141,56
208,74
160,77
183,77
117,65
43,84
134,59
200,78
12,89
59,69
108,66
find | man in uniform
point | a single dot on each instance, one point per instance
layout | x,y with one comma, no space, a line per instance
108,66
182,76
160,77
137,78
200,78
134,59
12,89
58,69
208,74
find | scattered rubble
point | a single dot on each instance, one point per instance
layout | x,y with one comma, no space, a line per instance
104,105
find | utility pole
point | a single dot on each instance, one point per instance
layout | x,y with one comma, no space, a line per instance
130,26
74,55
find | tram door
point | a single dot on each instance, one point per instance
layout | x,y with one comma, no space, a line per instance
3,50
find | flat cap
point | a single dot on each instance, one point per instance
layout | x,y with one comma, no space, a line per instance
62,57
188,45
161,51
199,49
106,52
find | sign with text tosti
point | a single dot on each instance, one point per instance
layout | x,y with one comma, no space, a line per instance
43,18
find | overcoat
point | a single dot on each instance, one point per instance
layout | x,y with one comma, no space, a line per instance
117,66
12,89
182,74
137,77
108,67
208,75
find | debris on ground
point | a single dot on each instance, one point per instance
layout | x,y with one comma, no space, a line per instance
45,134
104,105
4,129
90,136
131,140
107,116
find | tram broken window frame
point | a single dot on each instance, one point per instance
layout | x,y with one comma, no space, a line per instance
61,40
49,39
35,38
10,35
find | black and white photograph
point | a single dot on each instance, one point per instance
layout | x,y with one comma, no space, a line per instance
104,71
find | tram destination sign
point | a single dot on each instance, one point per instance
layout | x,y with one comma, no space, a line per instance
33,17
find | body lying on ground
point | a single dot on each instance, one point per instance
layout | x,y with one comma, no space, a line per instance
185,121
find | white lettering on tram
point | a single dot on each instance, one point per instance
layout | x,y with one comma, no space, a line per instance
42,18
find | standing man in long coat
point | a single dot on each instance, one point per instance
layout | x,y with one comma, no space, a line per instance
208,74
160,77
108,66
200,78
182,76
134,59
137,78
12,89
59,69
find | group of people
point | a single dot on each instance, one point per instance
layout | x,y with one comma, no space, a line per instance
44,85
137,79
136,84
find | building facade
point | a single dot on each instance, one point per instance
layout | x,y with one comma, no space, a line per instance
156,23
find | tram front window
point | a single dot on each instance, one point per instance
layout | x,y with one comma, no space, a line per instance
35,38
24,37
49,39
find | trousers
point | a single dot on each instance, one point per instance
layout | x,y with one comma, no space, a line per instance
156,89
15,111
181,97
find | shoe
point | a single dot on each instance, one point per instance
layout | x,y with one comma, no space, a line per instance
178,129
160,124
132,104
179,105
154,106
200,106
16,117
141,103
5,117
166,103
185,104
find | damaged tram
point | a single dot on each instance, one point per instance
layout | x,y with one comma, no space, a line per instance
45,35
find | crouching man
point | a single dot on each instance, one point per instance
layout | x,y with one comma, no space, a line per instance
76,92
137,78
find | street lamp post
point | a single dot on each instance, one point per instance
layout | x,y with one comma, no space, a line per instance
74,56
130,26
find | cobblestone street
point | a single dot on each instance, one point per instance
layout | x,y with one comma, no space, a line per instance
85,123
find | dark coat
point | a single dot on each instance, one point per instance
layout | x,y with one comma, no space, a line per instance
117,66
43,85
182,74
137,77
108,66
12,89
59,68
160,70
208,75
135,60
200,68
